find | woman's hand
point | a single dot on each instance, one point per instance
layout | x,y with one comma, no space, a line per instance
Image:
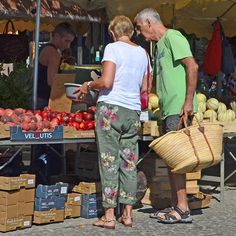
82,90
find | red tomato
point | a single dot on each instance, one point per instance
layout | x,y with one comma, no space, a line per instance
37,112
87,116
82,125
71,119
59,117
44,114
76,125
78,117
90,125
46,109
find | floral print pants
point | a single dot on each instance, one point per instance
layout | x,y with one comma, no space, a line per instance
117,131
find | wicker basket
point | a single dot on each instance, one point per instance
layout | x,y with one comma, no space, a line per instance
192,148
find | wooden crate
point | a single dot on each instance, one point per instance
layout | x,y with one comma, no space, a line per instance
199,200
151,128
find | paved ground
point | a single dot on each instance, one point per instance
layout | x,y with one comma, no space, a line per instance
219,219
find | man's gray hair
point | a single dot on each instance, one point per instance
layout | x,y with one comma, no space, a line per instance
148,13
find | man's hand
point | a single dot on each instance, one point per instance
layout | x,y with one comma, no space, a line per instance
187,109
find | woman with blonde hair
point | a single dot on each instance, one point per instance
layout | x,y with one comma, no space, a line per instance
118,120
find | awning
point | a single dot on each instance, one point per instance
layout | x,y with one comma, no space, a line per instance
23,13
194,16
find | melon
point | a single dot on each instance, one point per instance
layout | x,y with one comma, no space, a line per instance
211,115
222,116
153,101
221,108
212,104
198,116
201,97
230,115
202,107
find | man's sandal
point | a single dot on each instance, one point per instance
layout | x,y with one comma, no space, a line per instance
158,213
103,222
123,219
172,219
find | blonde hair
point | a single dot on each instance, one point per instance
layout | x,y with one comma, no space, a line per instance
121,26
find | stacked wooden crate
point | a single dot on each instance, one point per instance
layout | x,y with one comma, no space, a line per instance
158,193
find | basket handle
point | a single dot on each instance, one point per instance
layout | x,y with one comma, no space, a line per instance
6,28
187,132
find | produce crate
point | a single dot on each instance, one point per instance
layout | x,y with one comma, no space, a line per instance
16,134
199,201
71,132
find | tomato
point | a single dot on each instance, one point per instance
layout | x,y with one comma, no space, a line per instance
76,125
46,109
44,115
71,119
53,114
90,125
87,116
65,118
82,125
78,117
59,117
37,112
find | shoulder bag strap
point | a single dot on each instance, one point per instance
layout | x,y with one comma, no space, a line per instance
148,71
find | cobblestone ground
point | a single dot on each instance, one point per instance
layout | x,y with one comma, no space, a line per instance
219,219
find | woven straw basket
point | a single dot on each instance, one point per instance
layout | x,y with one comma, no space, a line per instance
192,148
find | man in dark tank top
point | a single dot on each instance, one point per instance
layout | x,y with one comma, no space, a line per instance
45,161
50,59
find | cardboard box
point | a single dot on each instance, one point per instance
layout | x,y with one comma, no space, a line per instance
10,224
27,222
16,134
74,199
8,212
11,183
44,217
26,195
25,208
29,180
9,198
88,213
14,183
72,211
87,188
46,191
193,175
45,204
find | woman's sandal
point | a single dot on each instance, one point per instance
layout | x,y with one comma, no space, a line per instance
158,213
172,219
123,219
104,223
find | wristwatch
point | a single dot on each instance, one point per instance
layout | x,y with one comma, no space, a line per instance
88,84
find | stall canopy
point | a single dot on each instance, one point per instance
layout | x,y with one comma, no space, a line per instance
23,14
194,16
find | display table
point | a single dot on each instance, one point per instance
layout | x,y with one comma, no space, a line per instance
21,144
228,135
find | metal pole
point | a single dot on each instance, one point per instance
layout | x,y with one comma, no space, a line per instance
37,31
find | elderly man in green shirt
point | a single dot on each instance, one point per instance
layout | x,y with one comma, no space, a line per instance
176,75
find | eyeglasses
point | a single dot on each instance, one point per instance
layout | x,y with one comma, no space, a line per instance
137,29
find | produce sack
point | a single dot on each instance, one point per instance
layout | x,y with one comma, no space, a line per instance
192,148
13,47
213,55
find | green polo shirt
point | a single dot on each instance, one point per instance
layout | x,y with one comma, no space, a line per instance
170,72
